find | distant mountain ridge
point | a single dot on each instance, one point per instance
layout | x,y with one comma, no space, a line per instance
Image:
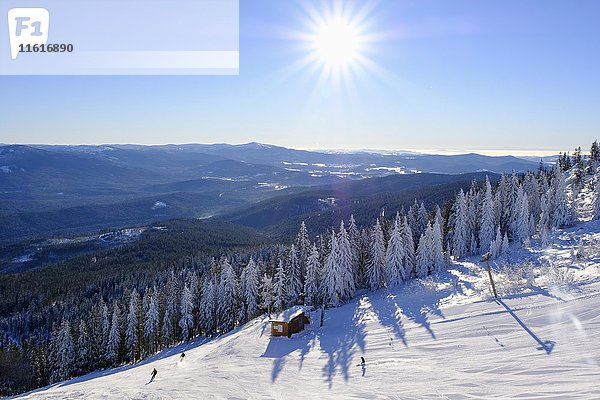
42,185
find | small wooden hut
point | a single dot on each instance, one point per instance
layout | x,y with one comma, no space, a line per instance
289,322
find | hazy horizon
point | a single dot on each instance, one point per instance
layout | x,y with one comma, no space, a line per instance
331,74
448,151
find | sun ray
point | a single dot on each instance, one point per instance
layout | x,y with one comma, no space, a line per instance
337,38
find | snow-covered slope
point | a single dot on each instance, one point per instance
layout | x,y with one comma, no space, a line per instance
439,338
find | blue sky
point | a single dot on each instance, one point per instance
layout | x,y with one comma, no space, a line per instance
450,75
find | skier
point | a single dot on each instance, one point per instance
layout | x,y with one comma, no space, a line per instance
362,361
153,375
182,356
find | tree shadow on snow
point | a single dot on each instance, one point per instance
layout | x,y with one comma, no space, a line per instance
279,348
340,342
416,301
389,315
547,345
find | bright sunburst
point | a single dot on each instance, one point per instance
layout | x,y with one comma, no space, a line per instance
337,43
338,39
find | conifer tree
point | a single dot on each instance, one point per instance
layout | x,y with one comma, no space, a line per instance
438,259
409,248
487,225
280,288
132,340
561,213
311,283
151,323
424,256
459,228
114,337
596,214
208,306
83,348
303,246
62,353
332,276
251,289
522,228
186,321
344,261
355,244
294,282
226,297
376,266
267,293
496,245
504,247
395,256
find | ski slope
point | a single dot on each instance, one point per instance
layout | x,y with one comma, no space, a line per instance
441,338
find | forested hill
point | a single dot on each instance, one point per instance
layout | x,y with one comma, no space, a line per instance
325,206
49,190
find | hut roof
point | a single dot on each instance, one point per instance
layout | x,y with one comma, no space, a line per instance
289,314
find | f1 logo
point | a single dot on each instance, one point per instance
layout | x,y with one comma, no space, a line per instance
27,26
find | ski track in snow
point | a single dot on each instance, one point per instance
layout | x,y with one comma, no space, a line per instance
442,338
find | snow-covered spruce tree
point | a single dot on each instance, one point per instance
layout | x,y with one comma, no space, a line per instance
280,288
267,295
251,289
332,276
151,321
311,281
114,336
597,199
226,297
303,245
98,327
544,220
510,205
355,244
395,256
409,248
423,218
195,291
595,153
294,284
344,261
132,339
487,224
424,256
376,266
413,221
241,301
496,245
186,321
170,297
504,247
208,307
521,226
473,206
62,353
561,213
532,189
498,207
83,348
438,260
459,240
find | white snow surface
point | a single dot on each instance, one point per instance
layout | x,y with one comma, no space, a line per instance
439,338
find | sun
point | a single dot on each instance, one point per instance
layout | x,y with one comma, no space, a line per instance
337,43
